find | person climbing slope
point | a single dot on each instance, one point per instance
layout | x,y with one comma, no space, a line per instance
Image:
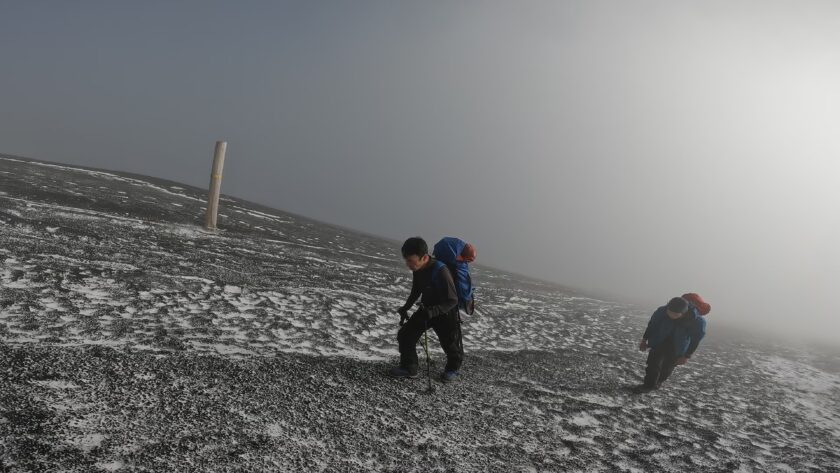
432,283
672,335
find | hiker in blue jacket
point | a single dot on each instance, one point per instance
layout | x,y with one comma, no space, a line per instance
672,335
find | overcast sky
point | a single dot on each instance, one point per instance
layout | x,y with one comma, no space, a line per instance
640,149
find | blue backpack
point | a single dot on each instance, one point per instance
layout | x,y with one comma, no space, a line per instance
446,251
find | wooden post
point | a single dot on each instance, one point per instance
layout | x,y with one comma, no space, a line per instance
215,185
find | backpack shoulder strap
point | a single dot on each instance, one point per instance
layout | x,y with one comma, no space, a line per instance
436,271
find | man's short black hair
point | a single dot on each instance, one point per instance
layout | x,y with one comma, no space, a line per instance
415,246
678,305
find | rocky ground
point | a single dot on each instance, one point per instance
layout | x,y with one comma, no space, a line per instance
131,340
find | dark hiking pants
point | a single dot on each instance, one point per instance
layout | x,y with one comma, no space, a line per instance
660,363
448,330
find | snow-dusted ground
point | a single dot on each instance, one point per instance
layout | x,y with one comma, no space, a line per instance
132,340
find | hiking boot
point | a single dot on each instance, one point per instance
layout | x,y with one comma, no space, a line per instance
400,372
450,376
643,388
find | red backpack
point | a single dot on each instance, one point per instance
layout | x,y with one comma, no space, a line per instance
694,299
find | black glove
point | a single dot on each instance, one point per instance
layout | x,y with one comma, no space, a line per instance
403,315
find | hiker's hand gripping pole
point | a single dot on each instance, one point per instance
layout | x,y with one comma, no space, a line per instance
403,315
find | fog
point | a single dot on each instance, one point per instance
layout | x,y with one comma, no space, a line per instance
635,149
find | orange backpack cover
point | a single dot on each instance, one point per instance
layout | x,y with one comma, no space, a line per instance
703,307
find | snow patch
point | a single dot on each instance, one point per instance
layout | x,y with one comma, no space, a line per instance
56,384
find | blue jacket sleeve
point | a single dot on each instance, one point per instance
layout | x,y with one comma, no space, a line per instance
696,335
654,321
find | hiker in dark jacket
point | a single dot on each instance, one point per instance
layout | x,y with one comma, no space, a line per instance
432,283
672,335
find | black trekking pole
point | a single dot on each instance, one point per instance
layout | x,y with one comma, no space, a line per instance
430,389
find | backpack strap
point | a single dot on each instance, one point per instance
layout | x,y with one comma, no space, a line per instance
436,272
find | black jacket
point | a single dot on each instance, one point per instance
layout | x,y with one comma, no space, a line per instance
437,299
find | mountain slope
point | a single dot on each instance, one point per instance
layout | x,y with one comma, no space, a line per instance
133,340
